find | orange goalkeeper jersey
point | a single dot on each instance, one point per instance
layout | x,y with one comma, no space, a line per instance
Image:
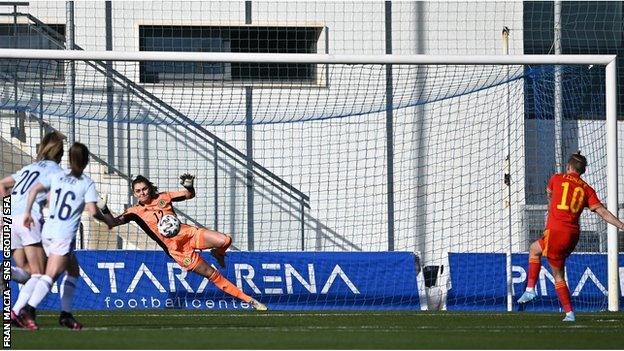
569,196
148,215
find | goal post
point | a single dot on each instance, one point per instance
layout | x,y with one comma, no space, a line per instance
612,179
294,219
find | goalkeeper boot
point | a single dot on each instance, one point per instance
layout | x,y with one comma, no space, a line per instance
66,319
257,305
219,253
26,318
569,317
527,296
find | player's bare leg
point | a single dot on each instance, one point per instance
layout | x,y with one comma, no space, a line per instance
36,258
219,243
225,285
535,259
20,273
563,293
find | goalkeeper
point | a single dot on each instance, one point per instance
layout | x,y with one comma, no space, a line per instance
153,205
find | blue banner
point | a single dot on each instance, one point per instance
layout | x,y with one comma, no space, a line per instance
478,282
282,280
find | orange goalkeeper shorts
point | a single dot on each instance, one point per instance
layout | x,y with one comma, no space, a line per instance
182,246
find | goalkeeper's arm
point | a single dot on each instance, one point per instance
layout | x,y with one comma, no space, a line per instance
102,204
98,213
188,182
105,215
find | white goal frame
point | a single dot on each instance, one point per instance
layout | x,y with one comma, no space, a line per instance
608,61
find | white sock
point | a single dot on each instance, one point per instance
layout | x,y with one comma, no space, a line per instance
41,290
68,286
25,293
19,275
530,290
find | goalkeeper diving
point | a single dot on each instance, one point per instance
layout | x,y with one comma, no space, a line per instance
150,209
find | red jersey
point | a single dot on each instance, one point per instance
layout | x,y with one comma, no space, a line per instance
569,195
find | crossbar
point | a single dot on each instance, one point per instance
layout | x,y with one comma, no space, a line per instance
305,58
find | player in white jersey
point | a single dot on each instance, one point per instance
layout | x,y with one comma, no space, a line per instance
26,244
70,193
26,248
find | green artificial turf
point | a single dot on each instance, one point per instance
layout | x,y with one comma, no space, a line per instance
177,329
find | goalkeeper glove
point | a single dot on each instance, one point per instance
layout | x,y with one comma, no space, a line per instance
102,204
187,180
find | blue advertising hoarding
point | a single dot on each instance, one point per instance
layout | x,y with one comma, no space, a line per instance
283,280
478,282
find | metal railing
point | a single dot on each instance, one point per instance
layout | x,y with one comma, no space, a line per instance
148,100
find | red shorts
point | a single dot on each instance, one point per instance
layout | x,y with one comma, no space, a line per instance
557,245
182,246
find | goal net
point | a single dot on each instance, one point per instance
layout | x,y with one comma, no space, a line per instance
324,163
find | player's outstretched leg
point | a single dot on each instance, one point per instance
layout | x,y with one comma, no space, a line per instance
257,305
225,285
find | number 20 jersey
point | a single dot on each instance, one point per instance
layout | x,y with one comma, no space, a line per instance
25,178
569,196
68,196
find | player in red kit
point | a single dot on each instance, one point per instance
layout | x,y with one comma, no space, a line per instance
568,195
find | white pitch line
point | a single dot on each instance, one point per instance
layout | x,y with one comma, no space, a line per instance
254,314
361,328
349,329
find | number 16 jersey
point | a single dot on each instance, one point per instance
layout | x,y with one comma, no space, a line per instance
569,196
68,196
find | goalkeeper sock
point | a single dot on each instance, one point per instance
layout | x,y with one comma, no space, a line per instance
41,290
564,295
535,265
26,292
68,286
222,283
19,275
